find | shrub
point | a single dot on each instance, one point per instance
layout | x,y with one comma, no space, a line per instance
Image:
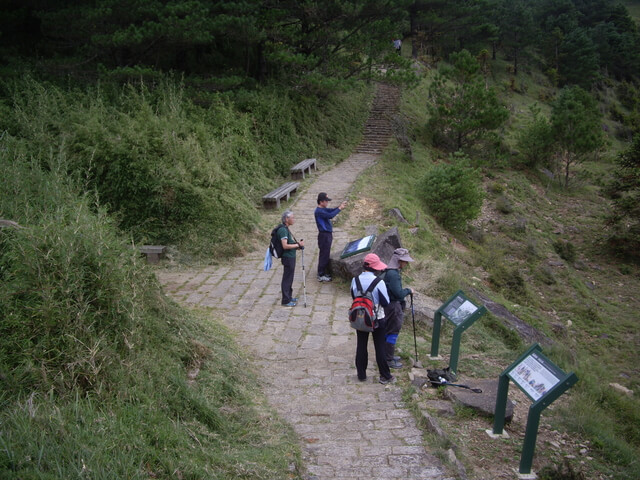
452,193
565,249
535,141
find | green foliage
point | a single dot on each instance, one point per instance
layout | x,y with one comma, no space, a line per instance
624,221
580,60
452,193
172,172
508,280
565,249
463,110
94,359
536,140
575,120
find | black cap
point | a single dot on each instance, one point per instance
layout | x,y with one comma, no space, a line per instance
322,196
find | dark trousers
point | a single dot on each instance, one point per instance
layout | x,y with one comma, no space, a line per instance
324,246
289,264
362,355
394,316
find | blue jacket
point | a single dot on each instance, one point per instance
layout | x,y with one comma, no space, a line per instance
323,218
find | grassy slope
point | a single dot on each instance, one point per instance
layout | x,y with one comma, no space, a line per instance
587,306
101,376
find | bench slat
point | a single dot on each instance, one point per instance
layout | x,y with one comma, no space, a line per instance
276,195
302,167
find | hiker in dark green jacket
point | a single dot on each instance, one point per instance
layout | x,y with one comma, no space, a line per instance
394,312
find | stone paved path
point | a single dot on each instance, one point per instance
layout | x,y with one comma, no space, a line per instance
348,429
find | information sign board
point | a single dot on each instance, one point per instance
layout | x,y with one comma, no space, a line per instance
536,375
358,246
459,309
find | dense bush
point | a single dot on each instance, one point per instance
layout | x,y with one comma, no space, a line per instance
170,171
72,298
624,221
535,141
94,358
452,193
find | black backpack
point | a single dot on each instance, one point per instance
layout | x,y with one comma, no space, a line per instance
363,315
441,376
275,246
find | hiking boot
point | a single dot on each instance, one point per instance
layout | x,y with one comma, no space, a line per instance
290,304
394,363
324,278
386,381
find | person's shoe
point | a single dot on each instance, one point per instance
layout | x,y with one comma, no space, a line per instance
295,299
386,381
394,363
362,379
290,304
395,357
324,278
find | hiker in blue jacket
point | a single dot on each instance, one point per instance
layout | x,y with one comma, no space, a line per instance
373,266
323,216
394,312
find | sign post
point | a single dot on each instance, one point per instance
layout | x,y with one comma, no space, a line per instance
543,382
460,311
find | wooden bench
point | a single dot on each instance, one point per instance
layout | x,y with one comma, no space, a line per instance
273,198
299,169
153,252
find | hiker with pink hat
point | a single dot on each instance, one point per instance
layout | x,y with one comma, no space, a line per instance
372,267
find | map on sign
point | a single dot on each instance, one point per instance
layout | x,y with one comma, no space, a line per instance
357,246
459,309
535,375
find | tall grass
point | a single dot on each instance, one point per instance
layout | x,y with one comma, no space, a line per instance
173,172
101,375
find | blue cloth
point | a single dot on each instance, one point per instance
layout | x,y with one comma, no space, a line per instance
392,338
267,260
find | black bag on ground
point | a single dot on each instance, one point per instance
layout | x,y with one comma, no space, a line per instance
440,376
275,245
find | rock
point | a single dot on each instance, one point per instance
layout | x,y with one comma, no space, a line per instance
350,267
485,402
397,214
622,389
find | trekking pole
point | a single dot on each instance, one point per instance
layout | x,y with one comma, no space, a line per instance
417,363
444,383
304,280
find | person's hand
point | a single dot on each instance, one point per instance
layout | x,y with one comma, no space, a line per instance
343,204
301,244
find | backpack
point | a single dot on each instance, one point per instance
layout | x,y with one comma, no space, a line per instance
362,314
275,245
440,376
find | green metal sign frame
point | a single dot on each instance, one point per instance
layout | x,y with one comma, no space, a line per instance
543,382
460,311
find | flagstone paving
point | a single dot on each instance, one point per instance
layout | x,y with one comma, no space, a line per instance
348,429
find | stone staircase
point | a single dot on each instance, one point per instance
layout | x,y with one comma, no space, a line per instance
378,129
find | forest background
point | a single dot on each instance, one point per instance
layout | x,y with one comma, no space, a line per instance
165,122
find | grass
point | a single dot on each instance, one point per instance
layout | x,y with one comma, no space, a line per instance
102,375
544,259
